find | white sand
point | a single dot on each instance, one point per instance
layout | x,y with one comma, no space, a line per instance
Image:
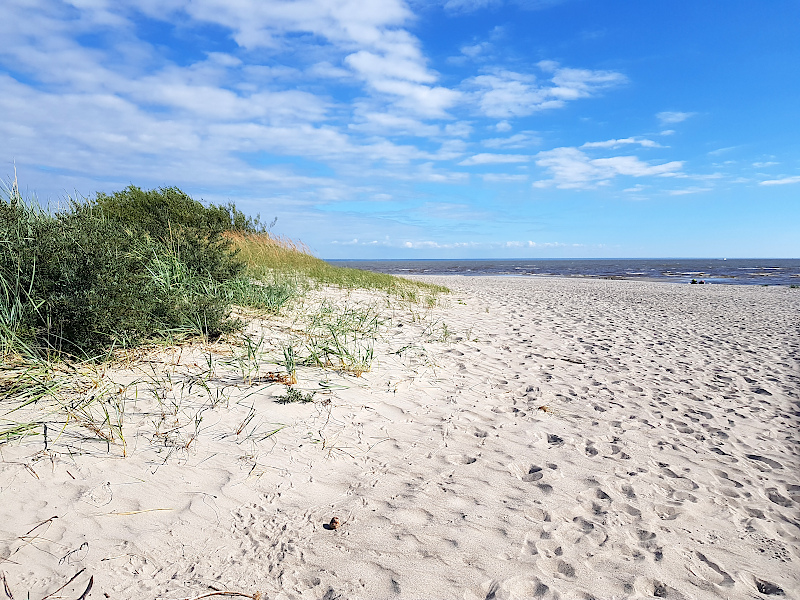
571,439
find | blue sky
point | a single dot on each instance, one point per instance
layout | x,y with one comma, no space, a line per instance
424,128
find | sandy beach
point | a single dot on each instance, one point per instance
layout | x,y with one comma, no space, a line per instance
526,438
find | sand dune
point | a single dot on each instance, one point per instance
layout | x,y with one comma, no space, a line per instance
533,438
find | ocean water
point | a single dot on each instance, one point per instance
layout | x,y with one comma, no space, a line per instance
712,271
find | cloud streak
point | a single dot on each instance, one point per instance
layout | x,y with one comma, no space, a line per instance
782,181
494,159
507,94
670,117
643,142
572,169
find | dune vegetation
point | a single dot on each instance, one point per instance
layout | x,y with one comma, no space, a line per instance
134,266
121,275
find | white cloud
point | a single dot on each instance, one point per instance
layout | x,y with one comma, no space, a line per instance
383,123
375,66
762,165
503,178
523,139
469,5
503,126
493,159
572,84
509,94
117,111
265,24
635,189
427,101
506,94
460,129
451,211
783,181
427,244
326,70
720,151
689,190
434,245
669,117
531,244
645,143
631,165
427,172
370,36
572,169
475,50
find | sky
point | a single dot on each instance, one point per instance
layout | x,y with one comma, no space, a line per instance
424,128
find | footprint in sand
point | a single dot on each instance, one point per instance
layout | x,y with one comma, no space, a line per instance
775,497
526,471
461,459
706,573
534,474
99,496
768,461
769,589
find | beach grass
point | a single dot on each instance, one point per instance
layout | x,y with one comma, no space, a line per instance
269,258
83,287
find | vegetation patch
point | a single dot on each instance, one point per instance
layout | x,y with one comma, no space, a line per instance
102,277
294,395
269,258
120,269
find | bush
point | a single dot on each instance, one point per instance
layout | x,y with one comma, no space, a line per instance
184,226
94,276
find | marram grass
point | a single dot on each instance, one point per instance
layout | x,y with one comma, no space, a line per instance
267,256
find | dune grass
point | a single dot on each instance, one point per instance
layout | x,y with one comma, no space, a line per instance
268,257
141,267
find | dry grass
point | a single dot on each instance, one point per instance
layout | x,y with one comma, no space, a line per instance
269,257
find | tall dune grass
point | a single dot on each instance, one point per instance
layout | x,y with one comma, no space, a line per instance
268,256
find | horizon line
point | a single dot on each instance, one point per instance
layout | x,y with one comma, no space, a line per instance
574,258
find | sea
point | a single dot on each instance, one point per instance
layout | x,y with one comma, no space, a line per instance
710,271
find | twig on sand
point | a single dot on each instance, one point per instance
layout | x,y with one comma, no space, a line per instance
5,587
65,585
45,522
132,512
27,539
88,588
256,596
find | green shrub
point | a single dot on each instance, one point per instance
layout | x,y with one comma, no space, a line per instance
127,266
190,230
294,395
85,278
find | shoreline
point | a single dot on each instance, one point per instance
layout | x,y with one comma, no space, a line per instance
532,437
708,281
734,272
